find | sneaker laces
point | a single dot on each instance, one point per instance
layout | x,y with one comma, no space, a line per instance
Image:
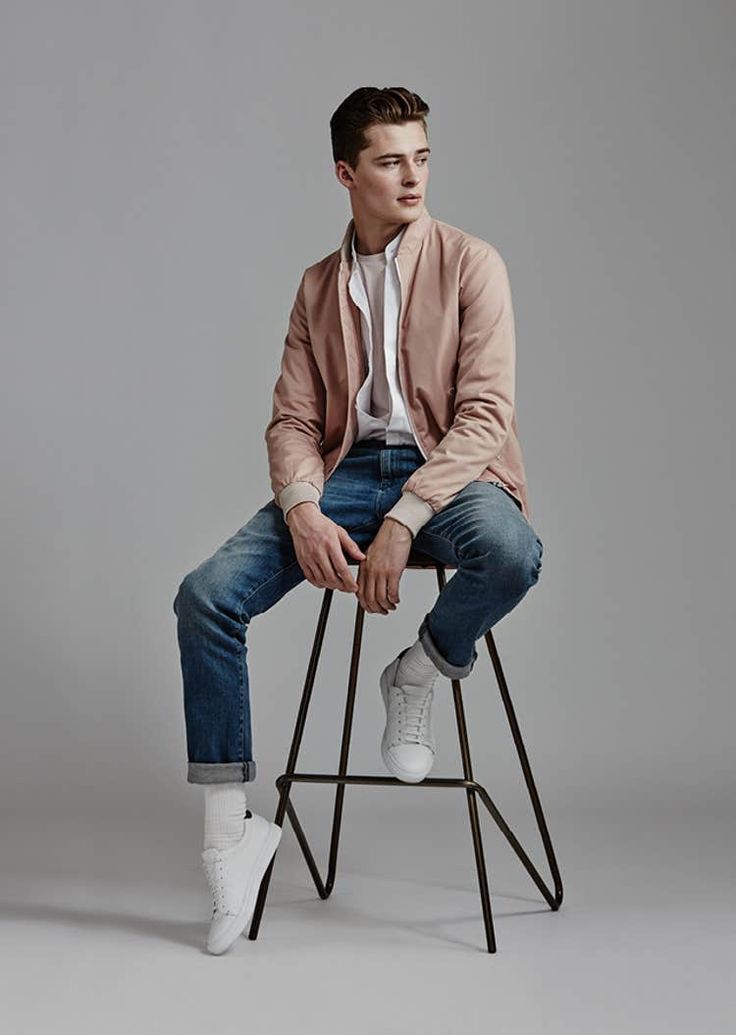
214,868
215,871
414,715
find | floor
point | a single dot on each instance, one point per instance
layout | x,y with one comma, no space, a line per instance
104,919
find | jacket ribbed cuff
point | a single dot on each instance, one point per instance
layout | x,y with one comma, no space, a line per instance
297,492
411,510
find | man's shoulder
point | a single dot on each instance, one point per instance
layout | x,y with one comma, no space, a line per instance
323,272
462,245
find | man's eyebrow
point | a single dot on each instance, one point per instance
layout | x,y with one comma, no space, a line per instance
398,154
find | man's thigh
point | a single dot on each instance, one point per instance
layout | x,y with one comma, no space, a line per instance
483,519
350,495
257,565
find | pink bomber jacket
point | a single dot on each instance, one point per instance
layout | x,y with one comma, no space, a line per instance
456,368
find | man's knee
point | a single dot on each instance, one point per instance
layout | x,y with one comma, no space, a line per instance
511,555
203,591
192,596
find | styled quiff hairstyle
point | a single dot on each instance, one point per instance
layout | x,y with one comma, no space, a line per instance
363,108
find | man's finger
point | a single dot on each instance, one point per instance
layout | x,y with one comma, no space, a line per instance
393,589
342,570
373,598
383,599
326,573
369,602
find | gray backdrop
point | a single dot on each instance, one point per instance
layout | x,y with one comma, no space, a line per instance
166,177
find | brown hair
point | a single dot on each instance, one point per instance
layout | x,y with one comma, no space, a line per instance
366,106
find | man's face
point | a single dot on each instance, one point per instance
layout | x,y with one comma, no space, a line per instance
395,163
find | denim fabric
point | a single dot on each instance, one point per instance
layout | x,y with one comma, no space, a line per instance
482,532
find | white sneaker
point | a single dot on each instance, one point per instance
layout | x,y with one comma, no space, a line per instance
408,744
234,875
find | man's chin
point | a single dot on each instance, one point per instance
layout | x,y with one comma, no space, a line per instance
408,213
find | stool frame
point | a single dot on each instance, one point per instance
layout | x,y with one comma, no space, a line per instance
342,779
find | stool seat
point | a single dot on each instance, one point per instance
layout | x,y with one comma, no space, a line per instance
342,779
417,559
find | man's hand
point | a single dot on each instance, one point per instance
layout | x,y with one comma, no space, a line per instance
319,543
379,574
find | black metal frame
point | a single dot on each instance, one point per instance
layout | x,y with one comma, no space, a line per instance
472,787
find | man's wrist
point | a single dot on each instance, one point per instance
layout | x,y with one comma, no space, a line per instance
298,506
399,528
412,511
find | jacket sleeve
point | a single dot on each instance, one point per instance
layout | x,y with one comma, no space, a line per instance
296,429
484,387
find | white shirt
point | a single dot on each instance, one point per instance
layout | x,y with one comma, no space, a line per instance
375,287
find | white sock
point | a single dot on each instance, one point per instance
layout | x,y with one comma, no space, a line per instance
416,667
225,814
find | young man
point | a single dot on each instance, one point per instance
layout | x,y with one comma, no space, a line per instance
393,423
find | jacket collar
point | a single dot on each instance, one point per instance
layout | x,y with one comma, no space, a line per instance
410,241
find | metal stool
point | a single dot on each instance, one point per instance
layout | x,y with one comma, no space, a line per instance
341,778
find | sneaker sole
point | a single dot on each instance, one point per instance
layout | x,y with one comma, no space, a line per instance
396,770
249,902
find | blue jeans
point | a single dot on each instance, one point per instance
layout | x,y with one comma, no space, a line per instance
482,533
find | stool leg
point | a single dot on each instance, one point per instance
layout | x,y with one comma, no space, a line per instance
480,864
293,752
527,771
345,747
324,889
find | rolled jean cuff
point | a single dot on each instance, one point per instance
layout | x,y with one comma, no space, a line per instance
451,671
221,772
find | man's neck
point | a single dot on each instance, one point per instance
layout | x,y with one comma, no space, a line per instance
371,240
